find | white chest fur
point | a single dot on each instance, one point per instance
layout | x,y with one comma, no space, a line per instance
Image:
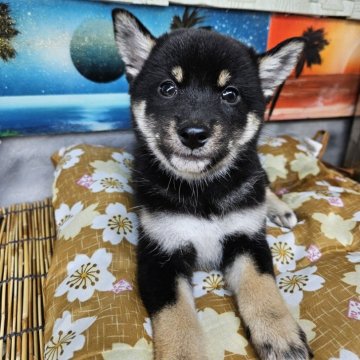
173,231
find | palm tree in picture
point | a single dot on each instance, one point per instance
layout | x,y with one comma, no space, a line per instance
315,43
7,32
189,19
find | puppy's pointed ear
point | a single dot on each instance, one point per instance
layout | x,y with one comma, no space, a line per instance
133,41
276,64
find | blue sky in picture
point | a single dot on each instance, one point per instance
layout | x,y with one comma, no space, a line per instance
67,48
44,65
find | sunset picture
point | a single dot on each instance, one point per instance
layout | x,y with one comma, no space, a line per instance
329,81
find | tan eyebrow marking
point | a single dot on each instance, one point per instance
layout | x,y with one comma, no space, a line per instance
223,78
178,73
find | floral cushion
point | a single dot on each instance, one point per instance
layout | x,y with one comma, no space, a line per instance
93,310
288,160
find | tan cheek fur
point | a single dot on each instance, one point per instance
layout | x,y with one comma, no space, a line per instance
261,305
177,333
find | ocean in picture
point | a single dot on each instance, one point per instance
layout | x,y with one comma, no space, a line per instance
60,70
59,113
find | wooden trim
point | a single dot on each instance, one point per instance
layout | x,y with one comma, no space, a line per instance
340,8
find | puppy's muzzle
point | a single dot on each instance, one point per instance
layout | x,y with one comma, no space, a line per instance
193,137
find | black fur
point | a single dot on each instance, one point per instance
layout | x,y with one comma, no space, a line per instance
156,189
255,246
294,352
223,185
157,274
202,55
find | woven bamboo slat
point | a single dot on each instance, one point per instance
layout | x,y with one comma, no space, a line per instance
27,234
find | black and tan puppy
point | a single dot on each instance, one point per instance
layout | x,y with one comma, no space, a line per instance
198,100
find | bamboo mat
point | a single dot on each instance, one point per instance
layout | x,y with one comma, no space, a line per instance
27,233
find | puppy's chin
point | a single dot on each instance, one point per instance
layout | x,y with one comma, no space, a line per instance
189,165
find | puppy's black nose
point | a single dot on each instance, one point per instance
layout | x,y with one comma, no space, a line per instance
193,137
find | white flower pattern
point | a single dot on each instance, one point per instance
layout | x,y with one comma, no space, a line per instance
335,190
335,227
293,284
67,337
109,167
346,355
297,199
209,282
69,158
64,215
310,147
148,326
118,224
110,183
70,221
221,333
142,350
85,275
353,278
285,252
274,165
125,159
221,330
304,165
354,257
356,216
272,141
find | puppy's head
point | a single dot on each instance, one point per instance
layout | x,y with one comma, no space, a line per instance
198,97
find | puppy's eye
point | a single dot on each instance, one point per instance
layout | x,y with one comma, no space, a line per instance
230,95
168,89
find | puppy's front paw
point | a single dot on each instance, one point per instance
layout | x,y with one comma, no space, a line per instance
284,217
292,347
279,212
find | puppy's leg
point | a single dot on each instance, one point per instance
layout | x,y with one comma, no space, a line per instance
248,269
279,212
164,284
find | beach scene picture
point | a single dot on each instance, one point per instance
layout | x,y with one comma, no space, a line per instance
59,68
60,71
325,83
